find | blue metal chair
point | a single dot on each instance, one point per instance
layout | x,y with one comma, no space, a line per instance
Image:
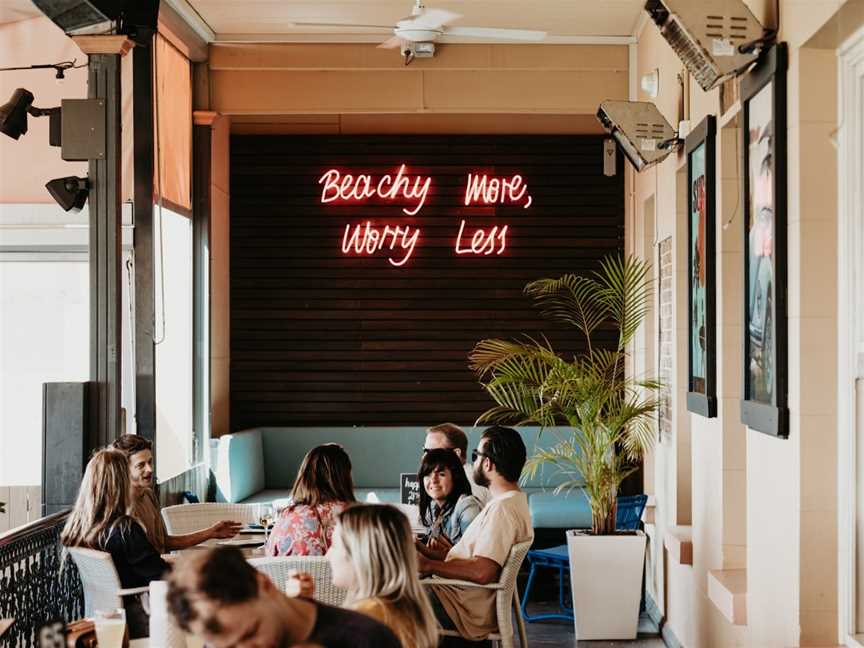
629,516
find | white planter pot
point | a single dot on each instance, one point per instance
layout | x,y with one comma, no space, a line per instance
606,581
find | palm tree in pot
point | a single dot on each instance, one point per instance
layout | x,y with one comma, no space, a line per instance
607,413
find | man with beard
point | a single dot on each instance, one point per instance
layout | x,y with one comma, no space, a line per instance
484,548
145,505
218,596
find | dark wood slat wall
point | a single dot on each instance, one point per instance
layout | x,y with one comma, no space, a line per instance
323,338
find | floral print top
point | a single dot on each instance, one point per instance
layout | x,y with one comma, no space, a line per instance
303,530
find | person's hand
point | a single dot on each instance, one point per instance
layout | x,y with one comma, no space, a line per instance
299,585
225,529
423,565
438,548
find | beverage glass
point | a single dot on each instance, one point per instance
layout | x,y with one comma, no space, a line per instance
110,627
265,519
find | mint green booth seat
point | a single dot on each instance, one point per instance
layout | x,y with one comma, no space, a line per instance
259,465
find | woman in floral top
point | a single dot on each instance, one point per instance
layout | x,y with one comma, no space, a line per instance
322,490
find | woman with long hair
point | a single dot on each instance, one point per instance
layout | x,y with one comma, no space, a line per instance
447,506
100,521
323,488
373,557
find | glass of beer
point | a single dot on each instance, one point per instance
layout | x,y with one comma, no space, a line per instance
110,627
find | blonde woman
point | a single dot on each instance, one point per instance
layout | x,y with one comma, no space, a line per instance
373,557
100,521
323,488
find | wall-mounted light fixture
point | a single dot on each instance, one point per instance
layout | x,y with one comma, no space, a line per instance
715,39
13,116
70,192
650,83
640,130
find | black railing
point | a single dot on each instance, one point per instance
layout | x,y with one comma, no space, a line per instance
33,587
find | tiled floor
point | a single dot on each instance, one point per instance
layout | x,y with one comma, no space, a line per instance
549,634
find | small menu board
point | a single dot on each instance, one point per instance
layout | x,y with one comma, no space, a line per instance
409,486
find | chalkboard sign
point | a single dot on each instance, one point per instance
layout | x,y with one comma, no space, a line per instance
409,485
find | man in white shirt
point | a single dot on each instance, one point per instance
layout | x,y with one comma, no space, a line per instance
484,548
452,437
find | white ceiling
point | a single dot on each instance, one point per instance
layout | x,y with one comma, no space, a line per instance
15,10
269,20
563,20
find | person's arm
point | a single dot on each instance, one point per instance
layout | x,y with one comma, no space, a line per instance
143,559
477,570
223,529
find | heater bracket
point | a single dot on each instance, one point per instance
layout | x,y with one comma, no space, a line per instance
83,130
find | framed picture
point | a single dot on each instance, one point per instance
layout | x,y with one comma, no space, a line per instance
763,150
702,336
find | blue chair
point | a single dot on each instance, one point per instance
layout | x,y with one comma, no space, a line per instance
629,517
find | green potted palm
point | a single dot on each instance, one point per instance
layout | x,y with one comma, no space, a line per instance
606,418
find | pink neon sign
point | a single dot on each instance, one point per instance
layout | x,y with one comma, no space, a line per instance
401,240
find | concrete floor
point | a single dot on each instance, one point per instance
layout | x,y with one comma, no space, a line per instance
557,634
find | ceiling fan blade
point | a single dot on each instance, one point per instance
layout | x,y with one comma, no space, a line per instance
434,19
304,23
391,43
497,34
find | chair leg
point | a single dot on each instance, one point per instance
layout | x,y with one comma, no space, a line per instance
520,622
524,604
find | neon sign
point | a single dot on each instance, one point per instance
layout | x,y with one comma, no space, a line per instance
401,240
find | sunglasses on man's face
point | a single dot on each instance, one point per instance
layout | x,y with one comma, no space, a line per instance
478,453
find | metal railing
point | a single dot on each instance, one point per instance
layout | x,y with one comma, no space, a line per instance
33,587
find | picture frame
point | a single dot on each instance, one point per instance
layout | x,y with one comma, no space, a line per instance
700,147
764,405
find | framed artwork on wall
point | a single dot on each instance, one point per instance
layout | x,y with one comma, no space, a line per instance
701,286
763,149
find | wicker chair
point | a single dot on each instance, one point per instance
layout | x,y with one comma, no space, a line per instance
506,598
187,518
102,589
278,569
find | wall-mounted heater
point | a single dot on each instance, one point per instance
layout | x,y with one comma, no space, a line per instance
640,130
715,39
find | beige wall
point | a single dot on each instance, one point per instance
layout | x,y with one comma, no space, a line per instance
28,163
315,79
759,503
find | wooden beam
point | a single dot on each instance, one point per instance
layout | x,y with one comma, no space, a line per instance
119,45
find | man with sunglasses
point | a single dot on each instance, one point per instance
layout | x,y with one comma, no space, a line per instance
450,436
485,546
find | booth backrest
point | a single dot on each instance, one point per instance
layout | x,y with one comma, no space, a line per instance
238,466
378,454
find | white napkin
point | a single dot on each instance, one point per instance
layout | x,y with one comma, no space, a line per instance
164,632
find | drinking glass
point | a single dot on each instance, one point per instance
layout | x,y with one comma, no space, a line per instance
110,627
265,519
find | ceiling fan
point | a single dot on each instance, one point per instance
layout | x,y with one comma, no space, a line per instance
425,26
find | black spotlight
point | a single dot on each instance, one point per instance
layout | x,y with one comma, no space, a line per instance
70,192
13,114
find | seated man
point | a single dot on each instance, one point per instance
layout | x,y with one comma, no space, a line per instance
451,437
484,548
145,505
217,595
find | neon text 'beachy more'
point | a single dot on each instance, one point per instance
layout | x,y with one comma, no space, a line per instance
365,238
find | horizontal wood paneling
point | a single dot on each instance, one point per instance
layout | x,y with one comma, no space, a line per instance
323,338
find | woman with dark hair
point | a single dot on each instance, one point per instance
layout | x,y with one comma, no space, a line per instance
447,506
322,490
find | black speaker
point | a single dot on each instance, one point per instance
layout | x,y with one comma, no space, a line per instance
94,16
65,426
